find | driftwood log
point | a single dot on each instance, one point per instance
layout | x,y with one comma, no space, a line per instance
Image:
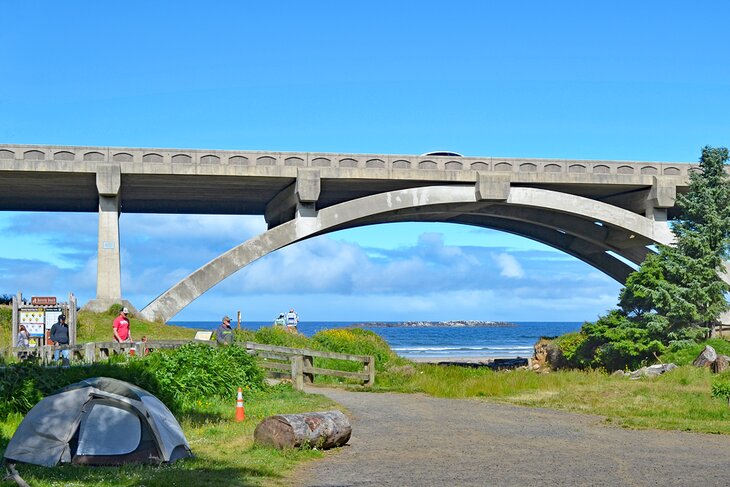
319,430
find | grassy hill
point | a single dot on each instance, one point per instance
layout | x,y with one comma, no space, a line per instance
97,327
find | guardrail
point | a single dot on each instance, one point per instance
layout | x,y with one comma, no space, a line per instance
298,362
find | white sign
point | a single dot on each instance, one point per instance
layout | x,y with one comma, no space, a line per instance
34,321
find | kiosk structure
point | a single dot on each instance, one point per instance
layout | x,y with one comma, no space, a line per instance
38,317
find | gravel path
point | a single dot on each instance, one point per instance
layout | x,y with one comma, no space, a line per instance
415,440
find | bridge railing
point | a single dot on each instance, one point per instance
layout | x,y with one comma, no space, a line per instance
298,363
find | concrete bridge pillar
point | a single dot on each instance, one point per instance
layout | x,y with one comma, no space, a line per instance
108,273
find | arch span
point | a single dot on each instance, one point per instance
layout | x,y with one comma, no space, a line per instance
378,208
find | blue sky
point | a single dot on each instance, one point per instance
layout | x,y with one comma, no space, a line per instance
583,80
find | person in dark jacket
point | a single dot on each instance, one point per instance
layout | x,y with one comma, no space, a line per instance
59,336
224,333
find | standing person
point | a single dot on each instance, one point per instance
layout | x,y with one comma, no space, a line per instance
122,333
59,336
23,341
292,320
224,333
280,320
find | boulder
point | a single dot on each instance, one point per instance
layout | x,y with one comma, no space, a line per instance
721,364
706,357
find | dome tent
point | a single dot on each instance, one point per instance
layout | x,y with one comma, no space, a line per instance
98,421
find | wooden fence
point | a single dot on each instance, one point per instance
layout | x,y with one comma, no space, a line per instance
296,362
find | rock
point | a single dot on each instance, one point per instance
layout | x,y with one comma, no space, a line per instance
706,357
652,370
721,364
620,373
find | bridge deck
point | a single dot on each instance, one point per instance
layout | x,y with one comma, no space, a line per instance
63,178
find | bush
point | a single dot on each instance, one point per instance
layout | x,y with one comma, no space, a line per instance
721,387
23,384
196,371
178,378
683,353
356,341
573,349
115,309
277,335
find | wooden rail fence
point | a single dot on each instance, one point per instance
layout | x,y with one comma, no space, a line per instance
298,362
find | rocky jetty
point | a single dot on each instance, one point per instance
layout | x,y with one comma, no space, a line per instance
427,324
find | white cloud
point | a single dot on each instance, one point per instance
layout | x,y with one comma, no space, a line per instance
509,267
327,278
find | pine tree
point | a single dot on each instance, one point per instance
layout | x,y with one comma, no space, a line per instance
678,293
683,282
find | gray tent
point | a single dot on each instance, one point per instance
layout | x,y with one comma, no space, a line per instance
99,421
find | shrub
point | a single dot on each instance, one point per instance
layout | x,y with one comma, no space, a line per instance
276,335
22,385
196,371
178,378
684,352
572,348
356,341
721,387
115,309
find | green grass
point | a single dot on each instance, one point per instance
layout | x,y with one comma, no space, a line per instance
678,400
225,455
224,451
97,327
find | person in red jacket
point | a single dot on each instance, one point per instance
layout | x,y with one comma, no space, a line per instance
122,332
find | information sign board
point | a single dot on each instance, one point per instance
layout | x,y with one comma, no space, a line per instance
34,321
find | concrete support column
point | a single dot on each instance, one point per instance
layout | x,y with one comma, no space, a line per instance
108,273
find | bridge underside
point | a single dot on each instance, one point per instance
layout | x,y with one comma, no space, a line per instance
602,235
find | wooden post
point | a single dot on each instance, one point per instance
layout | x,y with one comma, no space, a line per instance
370,368
71,317
297,369
90,353
307,361
16,319
239,319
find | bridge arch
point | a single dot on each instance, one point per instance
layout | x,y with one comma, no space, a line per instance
573,224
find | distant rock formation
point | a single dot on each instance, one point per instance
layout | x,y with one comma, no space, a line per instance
427,324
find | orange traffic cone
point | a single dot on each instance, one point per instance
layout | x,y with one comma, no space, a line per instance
240,413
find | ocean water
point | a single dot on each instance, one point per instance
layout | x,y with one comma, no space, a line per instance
437,342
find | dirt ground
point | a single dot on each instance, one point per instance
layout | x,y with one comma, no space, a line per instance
415,440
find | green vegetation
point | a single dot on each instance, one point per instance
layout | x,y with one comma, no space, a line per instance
97,327
198,383
355,341
678,400
224,451
721,387
677,295
180,378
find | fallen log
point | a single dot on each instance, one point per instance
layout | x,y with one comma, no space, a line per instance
318,430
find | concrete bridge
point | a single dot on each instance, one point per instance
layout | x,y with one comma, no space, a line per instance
605,213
